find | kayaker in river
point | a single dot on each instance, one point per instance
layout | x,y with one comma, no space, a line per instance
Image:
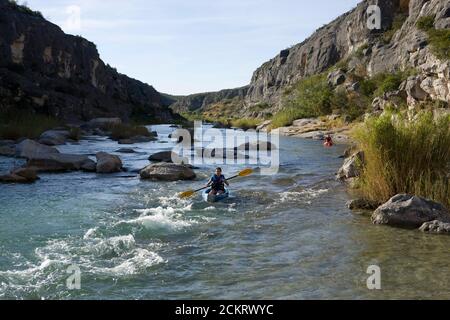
328,141
217,183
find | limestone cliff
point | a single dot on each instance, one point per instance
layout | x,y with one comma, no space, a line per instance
44,70
398,45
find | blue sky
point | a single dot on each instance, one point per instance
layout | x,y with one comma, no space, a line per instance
190,46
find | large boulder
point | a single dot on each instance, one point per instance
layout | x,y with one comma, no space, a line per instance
408,211
30,149
60,162
351,167
167,172
108,163
54,137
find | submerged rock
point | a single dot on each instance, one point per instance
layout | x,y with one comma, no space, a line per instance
29,149
436,226
137,139
126,150
167,172
21,175
107,163
408,211
59,162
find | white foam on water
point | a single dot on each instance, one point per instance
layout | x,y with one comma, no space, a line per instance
90,233
209,209
140,261
160,220
304,196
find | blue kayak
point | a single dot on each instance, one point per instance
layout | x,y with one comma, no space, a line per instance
216,198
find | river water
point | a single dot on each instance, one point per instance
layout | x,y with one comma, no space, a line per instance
287,236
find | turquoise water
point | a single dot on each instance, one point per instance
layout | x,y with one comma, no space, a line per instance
287,236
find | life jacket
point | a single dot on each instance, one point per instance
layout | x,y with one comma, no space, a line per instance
218,182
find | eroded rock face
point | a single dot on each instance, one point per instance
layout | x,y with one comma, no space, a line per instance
408,211
108,163
167,172
48,71
341,40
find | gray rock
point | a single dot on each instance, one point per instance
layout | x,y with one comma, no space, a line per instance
107,163
351,167
436,226
163,156
28,149
59,162
54,137
264,126
167,172
408,211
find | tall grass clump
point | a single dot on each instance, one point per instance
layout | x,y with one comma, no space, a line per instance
25,125
405,156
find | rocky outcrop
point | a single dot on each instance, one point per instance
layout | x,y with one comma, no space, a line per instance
408,211
44,70
348,39
200,101
108,163
167,172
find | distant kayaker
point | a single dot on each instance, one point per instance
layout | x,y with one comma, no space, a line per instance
328,141
217,183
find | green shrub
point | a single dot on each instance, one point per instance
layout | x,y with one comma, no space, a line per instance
439,39
74,133
245,123
425,23
384,82
25,125
403,156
